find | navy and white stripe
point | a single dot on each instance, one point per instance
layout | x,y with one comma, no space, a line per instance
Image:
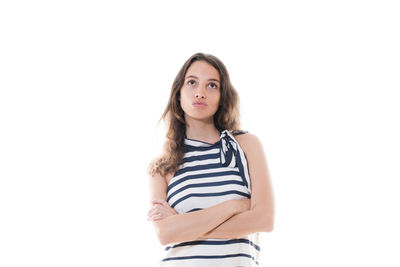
211,174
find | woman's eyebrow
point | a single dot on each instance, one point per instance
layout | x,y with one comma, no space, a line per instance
195,77
213,80
192,76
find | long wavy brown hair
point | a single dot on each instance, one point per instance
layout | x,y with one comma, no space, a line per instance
227,117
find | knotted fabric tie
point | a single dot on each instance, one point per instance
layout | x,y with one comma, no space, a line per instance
228,149
230,154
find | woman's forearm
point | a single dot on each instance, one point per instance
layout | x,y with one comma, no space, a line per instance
192,225
245,223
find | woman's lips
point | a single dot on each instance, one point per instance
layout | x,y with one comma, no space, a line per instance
199,104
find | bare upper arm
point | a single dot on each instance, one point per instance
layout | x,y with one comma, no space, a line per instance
158,187
261,188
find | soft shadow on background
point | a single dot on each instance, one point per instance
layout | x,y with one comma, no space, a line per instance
83,84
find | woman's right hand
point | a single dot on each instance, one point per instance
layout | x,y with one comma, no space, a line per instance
159,210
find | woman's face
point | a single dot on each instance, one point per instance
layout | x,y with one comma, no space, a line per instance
200,93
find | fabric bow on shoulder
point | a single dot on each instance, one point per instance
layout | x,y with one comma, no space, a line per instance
229,150
230,154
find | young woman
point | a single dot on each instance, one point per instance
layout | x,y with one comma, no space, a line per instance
210,189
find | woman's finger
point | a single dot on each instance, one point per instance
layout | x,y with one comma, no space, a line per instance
160,210
156,217
154,214
157,201
155,209
161,201
162,205
151,213
165,204
160,214
152,208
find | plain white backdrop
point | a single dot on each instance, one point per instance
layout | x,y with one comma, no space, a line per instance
83,84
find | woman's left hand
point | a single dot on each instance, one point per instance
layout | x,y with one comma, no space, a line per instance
159,210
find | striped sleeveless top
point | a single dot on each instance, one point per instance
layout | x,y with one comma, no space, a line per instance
211,174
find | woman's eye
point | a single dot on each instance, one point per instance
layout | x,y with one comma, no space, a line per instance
191,82
213,85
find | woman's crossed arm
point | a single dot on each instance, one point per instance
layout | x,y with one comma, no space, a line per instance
230,219
174,228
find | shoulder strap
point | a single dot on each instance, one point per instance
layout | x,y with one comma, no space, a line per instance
238,132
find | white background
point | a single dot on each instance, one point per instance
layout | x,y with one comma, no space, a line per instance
83,84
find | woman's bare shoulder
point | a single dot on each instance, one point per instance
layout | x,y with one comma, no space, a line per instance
248,141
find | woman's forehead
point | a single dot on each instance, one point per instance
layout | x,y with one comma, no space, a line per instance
201,70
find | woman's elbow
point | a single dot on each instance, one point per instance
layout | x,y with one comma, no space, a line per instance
269,227
267,223
162,233
163,239
264,219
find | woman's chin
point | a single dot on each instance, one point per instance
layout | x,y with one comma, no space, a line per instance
197,117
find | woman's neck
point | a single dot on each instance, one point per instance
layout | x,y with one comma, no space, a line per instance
202,130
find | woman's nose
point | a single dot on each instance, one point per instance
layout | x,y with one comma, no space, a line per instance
200,95
200,92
